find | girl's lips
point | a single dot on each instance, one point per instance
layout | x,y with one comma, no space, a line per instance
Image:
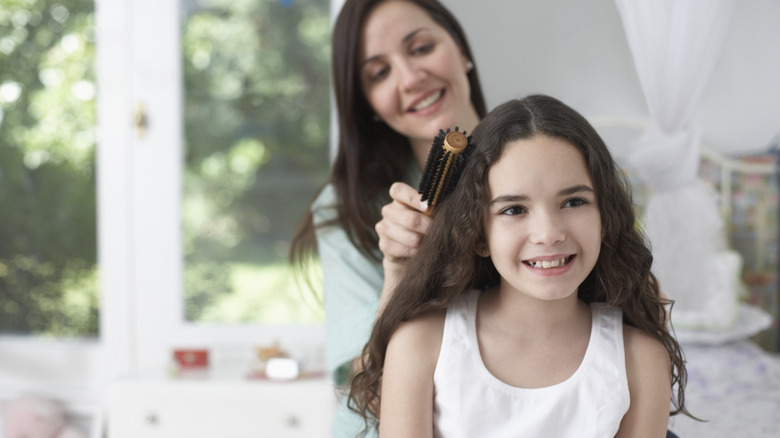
548,261
550,265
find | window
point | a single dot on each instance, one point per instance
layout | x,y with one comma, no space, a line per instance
48,259
199,139
256,109
235,96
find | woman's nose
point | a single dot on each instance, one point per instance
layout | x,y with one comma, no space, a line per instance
546,228
412,75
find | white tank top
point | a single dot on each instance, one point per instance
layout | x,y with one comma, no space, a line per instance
470,402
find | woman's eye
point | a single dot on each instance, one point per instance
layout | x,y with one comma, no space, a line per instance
379,74
423,49
575,202
513,210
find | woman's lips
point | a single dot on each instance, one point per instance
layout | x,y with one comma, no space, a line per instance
427,101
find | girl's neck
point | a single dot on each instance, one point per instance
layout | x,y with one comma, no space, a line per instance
531,317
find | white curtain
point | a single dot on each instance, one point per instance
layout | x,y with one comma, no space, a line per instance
676,45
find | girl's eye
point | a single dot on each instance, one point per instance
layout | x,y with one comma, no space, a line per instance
513,210
575,202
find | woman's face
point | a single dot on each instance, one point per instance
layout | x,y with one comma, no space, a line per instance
413,73
543,224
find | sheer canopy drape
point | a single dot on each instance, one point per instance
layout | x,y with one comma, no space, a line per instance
675,45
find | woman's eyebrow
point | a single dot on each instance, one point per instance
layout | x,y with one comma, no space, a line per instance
405,39
411,34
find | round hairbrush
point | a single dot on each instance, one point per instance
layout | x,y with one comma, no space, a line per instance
448,154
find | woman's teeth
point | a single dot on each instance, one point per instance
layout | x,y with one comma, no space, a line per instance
425,103
545,264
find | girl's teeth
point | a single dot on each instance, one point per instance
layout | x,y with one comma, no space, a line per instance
549,263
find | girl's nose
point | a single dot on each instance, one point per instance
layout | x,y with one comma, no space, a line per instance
546,229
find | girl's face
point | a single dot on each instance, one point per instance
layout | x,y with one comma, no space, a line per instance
413,73
543,225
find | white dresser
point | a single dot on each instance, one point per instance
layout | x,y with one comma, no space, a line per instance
220,409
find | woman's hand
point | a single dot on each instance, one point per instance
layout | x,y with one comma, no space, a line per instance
403,225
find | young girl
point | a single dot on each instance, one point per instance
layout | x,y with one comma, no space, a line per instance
530,309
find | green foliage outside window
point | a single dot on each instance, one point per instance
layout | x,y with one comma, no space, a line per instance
48,278
256,130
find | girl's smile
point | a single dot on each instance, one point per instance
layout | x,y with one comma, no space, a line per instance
554,265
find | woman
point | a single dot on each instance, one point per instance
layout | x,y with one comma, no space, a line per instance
402,70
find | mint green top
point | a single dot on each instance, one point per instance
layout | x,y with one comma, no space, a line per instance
352,284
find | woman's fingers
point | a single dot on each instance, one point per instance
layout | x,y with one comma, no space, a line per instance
400,230
407,195
403,223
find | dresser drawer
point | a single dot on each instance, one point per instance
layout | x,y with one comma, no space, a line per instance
226,410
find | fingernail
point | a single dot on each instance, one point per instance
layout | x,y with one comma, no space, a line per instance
424,205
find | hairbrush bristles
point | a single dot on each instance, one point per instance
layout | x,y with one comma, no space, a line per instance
445,162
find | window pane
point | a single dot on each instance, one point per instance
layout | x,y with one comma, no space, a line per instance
48,268
256,132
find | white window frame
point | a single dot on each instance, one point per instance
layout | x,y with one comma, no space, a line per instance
139,225
157,261
76,370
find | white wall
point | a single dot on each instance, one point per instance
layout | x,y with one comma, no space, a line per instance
576,50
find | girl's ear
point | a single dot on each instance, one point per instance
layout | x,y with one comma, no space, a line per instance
482,250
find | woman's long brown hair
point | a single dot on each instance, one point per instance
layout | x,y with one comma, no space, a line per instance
371,156
447,265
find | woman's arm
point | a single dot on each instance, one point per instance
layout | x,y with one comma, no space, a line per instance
351,285
406,406
403,225
649,383
356,288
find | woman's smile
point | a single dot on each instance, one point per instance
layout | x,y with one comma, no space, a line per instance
426,102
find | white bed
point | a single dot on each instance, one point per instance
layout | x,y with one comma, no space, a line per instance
733,384
735,387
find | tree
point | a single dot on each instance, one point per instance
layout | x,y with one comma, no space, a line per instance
47,172
256,128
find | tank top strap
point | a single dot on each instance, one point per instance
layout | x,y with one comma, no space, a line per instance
461,315
607,328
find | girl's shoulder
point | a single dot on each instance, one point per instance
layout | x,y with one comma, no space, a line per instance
642,343
648,370
646,356
419,339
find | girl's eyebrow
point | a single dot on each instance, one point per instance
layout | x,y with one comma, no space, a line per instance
405,39
503,199
576,189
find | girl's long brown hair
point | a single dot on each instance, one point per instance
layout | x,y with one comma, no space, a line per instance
371,156
447,264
